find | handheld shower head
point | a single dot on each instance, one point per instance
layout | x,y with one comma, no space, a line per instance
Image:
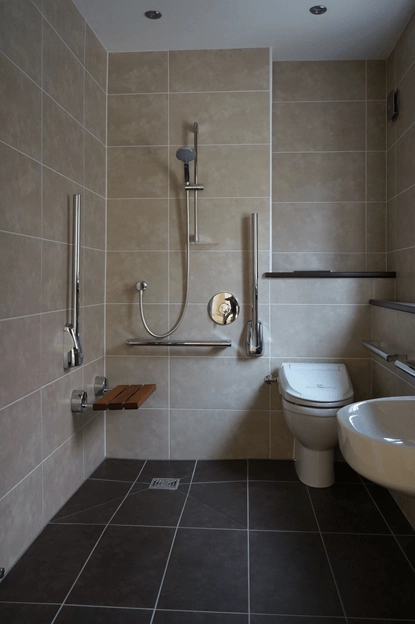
186,155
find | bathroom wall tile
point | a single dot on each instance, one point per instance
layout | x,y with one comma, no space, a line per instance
138,72
21,36
391,225
405,287
138,119
141,370
375,262
89,372
319,177
395,331
95,108
53,345
406,115
137,172
318,126
318,227
405,50
318,81
405,161
318,261
96,58
140,433
20,440
321,291
222,117
282,440
138,224
376,125
390,72
20,345
376,176
56,258
391,261
384,289
95,163
384,382
391,173
124,322
63,141
219,434
62,474
94,444
405,219
219,70
58,194
92,332
63,75
20,258
124,270
376,80
93,277
376,227
390,133
237,386
93,208
21,513
68,22
20,111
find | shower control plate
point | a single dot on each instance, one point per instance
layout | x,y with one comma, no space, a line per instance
223,308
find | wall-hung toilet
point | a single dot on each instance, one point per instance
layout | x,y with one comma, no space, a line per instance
311,396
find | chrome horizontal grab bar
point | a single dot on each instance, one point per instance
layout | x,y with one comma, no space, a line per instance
136,342
389,357
407,367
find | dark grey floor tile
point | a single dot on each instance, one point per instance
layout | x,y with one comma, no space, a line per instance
347,508
118,469
272,470
27,614
181,617
389,509
291,619
345,474
174,469
221,470
125,569
280,506
407,543
373,576
382,621
93,503
216,505
290,574
48,569
152,507
207,572
100,615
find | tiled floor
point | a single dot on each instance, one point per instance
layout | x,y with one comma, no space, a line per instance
240,542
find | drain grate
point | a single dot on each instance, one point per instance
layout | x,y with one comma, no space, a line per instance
164,483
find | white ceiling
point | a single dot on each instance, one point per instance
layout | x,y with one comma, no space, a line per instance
351,29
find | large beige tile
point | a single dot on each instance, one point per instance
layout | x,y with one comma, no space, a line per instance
63,141
58,194
96,58
390,72
318,227
93,208
391,225
282,440
384,382
391,173
94,444
56,262
20,440
53,345
138,119
316,261
138,434
95,109
138,224
405,284
222,117
141,370
376,125
21,35
376,80
124,270
405,219
221,383
20,285
405,161
376,227
375,261
20,110
20,184
138,72
405,50
384,289
219,434
92,332
63,74
137,172
246,69
406,115
95,164
376,177
20,343
21,514
93,276
318,126
68,22
395,331
321,291
334,177
123,321
318,80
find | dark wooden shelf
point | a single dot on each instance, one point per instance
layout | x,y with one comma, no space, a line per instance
329,274
394,305
124,397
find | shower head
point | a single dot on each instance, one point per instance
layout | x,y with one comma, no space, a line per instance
186,154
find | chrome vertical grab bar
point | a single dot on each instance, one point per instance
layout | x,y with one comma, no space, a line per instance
74,357
254,343
196,219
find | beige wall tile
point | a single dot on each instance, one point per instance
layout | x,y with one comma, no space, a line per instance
138,119
95,162
137,172
376,125
93,208
219,434
124,322
391,261
376,80
390,133
405,161
391,173
56,258
20,286
318,80
138,72
20,111
405,50
63,141
318,126
68,22
321,291
384,382
318,227
405,219
282,440
405,287
375,262
92,332
124,270
219,70
20,440
390,72
376,227
58,194
96,58
52,345
63,74
94,444
140,433
406,115
384,289
21,36
93,277
317,261
141,370
376,176
391,225
95,109
319,177
222,117
138,224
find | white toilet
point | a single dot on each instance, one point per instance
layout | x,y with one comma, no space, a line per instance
311,396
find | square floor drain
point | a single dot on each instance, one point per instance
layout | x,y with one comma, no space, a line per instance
162,483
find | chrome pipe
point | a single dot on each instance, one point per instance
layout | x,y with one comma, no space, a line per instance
407,367
136,342
389,357
254,342
196,222
74,357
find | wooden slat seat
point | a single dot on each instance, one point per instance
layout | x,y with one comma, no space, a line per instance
124,397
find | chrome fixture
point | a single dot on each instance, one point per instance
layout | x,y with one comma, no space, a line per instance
375,348
223,308
153,15
136,342
270,379
254,343
407,367
319,9
393,102
74,357
79,398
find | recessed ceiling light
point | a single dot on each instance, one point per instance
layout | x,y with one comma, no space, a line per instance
319,9
153,14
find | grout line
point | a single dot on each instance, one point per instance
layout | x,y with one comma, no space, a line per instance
173,93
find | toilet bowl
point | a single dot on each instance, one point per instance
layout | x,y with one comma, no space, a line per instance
311,396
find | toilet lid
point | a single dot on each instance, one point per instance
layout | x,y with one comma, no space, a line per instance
312,383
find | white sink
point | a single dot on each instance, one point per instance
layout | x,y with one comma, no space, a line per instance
377,439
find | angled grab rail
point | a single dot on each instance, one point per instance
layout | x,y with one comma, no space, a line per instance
254,342
74,357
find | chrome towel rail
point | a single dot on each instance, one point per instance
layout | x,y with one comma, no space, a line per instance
407,367
136,342
389,357
74,357
254,328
